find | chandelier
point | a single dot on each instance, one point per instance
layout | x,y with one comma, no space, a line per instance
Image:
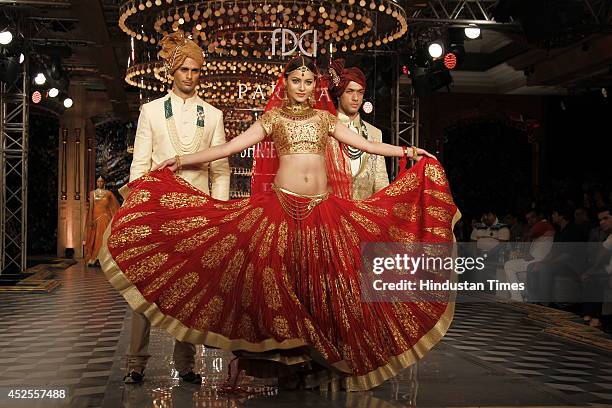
245,28
243,85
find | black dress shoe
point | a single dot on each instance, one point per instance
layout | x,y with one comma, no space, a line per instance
191,378
133,377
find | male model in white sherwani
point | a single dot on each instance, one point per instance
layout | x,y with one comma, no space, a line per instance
369,171
176,124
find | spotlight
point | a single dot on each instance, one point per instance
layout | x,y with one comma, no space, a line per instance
36,97
21,58
435,50
454,57
405,70
6,37
40,79
450,60
68,103
368,107
472,32
53,92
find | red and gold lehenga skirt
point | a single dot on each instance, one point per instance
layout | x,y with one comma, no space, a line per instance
277,274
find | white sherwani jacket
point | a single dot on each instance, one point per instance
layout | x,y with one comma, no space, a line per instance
372,173
153,145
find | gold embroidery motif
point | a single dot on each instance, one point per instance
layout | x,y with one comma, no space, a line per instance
209,315
191,243
161,280
245,328
441,232
180,289
406,318
314,338
439,213
381,212
228,279
257,234
313,241
229,323
232,205
212,258
347,352
365,222
305,134
136,198
396,334
129,235
325,243
349,230
130,217
288,287
181,200
270,287
266,242
185,183
187,310
435,173
247,288
399,235
178,227
232,216
403,185
407,211
249,220
344,319
441,195
282,239
148,177
340,253
146,267
281,327
134,252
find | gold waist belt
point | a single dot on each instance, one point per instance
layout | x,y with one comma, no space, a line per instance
298,206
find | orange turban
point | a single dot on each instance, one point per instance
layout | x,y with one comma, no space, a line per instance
176,47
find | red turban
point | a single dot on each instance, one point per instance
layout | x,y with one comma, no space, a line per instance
339,77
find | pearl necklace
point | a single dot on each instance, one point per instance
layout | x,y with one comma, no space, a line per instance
195,144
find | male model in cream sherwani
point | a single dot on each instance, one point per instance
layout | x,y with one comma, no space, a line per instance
369,171
177,124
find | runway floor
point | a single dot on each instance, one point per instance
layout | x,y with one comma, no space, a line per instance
74,339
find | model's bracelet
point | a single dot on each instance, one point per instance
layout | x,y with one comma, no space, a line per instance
178,161
415,154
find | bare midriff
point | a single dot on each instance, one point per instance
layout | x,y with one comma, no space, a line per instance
302,173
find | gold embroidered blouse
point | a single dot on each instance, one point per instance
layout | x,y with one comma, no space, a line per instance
298,130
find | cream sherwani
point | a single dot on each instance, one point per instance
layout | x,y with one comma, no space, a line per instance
153,144
369,171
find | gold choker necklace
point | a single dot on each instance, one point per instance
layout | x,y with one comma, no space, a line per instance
298,110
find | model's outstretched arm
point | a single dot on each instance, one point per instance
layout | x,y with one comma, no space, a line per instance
248,138
345,135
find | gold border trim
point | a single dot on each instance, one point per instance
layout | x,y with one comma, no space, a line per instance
139,304
417,351
177,329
